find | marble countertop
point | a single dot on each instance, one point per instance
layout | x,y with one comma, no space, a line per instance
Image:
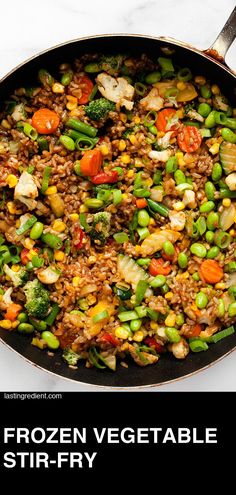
27,28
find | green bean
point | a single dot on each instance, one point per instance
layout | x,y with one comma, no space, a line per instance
158,281
93,203
22,317
226,193
192,123
45,78
46,176
141,311
158,208
141,193
210,120
30,131
204,109
52,240
144,261
205,91
127,316
157,177
182,260
168,248
67,142
143,233
201,300
222,239
153,77
210,190
207,207
232,310
36,230
179,177
212,220
217,171
231,123
228,135
172,334
66,78
77,125
198,250
221,308
171,165
25,328
51,340
167,69
152,314
93,92
135,325
213,252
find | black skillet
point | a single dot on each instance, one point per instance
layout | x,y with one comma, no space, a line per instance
210,63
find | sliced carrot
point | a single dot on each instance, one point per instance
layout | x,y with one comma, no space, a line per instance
12,311
189,139
86,87
210,272
195,330
91,162
141,203
45,121
163,118
24,256
157,267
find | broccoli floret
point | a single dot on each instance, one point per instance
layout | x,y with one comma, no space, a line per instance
100,227
111,63
70,356
37,299
17,278
99,109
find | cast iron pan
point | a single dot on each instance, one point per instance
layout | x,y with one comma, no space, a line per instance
209,63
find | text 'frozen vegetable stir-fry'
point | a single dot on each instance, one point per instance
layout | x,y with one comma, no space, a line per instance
118,211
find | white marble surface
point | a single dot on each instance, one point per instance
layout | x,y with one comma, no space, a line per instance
28,27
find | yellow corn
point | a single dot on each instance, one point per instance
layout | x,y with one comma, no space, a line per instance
59,226
138,163
11,180
32,253
91,299
72,99
132,138
214,149
5,324
125,346
124,196
179,206
160,134
152,221
15,324
15,268
138,336
215,89
40,343
149,182
181,85
153,325
232,232
123,117
71,106
92,259
137,249
122,145
29,243
121,333
75,112
17,224
136,119
104,149
169,295
58,88
74,217
5,124
59,255
51,190
200,80
11,207
130,174
75,281
83,209
180,113
220,286
179,154
125,159
170,320
226,202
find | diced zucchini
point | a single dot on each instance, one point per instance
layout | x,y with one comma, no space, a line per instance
228,157
130,271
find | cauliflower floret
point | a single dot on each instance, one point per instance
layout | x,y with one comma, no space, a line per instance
164,141
189,199
180,349
117,90
152,101
231,181
49,275
177,220
192,114
26,191
160,156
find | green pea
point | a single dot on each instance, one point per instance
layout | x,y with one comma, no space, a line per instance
213,252
143,218
221,308
217,171
204,109
228,135
22,317
144,261
168,248
210,190
205,91
179,177
158,281
135,325
153,77
232,309
93,203
201,300
210,120
51,340
182,260
172,334
179,320
207,207
196,277
212,220
209,236
67,142
36,230
198,250
25,328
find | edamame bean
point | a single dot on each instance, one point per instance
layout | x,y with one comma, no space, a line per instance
179,177
153,77
204,109
216,173
205,91
196,277
207,207
171,165
210,190
143,218
25,328
228,135
36,230
212,220
93,203
144,261
213,252
182,260
172,334
67,142
51,340
157,177
22,317
66,78
198,250
135,325
231,267
168,248
232,309
201,300
179,320
209,236
210,120
158,281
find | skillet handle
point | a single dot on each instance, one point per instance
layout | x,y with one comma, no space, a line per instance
224,40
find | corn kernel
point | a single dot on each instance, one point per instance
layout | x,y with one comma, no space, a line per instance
58,88
232,232
124,196
137,248
92,259
0,297
181,86
132,138
5,124
5,324
200,80
220,286
59,226
138,336
15,268
75,281
170,320
226,202
130,174
15,324
125,159
152,221
11,180
40,343
75,112
169,295
121,333
51,190
154,325
160,134
123,117
179,206
149,182
83,209
122,145
17,224
72,99
125,346
59,255
214,149
71,106
11,207
91,299
74,217
180,113
104,149
215,89
136,120
138,163
29,243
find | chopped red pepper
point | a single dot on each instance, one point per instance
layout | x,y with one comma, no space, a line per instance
108,337
103,178
24,256
151,342
79,234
